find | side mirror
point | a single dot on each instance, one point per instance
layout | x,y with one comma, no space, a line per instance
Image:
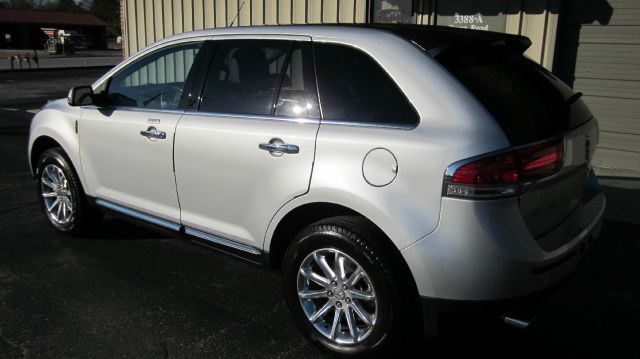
80,96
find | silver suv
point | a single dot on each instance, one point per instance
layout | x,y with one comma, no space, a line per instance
381,168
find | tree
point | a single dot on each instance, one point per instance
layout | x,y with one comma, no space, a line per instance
109,12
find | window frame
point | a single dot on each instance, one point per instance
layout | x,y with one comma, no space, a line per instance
212,41
101,87
292,40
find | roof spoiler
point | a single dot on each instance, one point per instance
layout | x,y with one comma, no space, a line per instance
515,42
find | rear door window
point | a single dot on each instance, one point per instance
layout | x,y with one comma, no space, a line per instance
355,88
261,77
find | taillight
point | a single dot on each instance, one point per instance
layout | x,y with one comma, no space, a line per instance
500,175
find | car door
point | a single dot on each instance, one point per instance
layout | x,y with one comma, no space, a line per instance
250,147
126,148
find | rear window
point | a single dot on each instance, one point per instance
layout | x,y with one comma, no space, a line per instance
528,102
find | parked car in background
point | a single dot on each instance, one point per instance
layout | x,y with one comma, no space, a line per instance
380,168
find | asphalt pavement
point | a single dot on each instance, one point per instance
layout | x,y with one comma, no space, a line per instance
131,292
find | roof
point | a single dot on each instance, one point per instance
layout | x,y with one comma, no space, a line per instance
432,38
45,17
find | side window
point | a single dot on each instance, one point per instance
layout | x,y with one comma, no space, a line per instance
354,88
250,76
155,81
298,94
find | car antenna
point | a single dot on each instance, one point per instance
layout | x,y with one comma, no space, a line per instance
237,14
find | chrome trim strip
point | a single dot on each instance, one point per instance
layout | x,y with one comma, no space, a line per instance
138,215
221,241
298,120
134,109
253,117
368,124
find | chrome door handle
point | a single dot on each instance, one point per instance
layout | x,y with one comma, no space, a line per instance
153,132
277,147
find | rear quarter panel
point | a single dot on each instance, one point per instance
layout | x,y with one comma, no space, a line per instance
453,126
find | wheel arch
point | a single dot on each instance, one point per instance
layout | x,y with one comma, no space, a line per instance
40,144
305,214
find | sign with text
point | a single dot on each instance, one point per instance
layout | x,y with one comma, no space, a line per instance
486,15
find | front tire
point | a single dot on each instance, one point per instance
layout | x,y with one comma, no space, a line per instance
61,196
344,291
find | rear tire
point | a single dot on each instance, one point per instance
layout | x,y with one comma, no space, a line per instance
63,201
372,316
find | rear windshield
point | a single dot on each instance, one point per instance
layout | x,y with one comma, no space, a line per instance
528,102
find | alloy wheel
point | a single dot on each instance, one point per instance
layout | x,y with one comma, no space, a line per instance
56,195
337,296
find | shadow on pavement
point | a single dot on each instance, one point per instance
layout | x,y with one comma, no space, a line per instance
623,198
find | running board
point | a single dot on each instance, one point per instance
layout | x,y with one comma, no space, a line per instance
222,241
226,246
138,215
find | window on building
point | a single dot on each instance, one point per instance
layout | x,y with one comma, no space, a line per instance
155,81
394,11
354,88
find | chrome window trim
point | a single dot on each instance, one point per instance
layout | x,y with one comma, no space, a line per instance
297,120
134,109
254,117
138,215
368,124
221,241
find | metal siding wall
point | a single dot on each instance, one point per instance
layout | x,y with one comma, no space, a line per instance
158,17
537,20
270,12
599,54
284,12
329,11
149,20
209,14
198,14
361,15
232,11
167,11
221,14
314,12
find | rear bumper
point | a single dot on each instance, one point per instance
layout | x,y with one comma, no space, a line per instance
483,251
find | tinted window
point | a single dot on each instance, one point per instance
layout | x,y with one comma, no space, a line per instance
245,77
297,96
354,88
156,80
527,101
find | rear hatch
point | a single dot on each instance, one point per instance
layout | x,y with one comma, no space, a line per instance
531,106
